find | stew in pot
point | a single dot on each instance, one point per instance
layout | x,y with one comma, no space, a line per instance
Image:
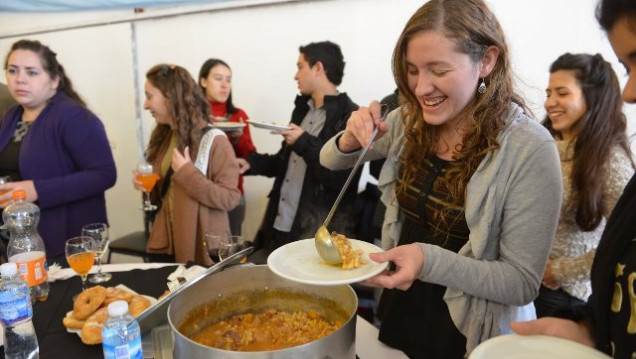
268,330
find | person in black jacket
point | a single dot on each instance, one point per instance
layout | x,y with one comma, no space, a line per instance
303,190
608,320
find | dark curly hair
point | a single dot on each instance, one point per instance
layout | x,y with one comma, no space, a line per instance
608,12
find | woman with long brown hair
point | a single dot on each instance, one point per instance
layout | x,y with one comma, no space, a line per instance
196,160
471,184
585,116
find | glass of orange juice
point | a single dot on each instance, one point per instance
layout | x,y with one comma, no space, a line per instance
148,179
80,255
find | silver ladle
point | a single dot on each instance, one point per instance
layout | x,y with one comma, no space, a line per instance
324,245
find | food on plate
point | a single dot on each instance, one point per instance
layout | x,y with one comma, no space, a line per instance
350,258
270,329
114,294
88,301
90,310
137,304
92,330
72,323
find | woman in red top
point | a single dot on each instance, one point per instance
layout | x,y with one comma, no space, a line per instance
215,79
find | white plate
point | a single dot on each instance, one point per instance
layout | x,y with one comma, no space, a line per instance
228,126
299,262
533,347
268,126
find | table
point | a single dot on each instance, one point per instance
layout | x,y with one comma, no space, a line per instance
149,279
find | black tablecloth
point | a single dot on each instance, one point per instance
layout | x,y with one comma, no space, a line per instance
55,342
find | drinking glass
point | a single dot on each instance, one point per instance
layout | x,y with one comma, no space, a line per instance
148,179
213,242
231,245
99,233
80,256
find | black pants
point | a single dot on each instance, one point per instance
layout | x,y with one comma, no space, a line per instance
550,301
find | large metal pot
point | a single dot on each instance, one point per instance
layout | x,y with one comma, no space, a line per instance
252,287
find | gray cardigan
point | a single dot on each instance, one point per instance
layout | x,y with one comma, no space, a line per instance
512,206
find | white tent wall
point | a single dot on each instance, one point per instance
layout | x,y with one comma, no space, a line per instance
261,45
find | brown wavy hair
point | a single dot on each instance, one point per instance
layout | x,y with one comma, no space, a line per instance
473,28
188,107
601,129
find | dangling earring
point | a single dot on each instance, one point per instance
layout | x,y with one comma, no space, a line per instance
482,87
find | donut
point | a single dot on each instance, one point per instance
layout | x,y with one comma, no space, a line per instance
71,323
138,304
114,294
88,301
92,330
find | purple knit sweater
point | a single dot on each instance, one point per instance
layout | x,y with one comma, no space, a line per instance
67,155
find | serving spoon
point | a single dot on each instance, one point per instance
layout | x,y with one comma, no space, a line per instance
324,245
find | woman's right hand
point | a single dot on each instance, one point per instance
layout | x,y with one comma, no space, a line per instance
360,127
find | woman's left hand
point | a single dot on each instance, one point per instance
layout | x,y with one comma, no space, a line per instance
27,186
409,260
178,160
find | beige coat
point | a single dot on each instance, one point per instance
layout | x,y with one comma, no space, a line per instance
200,204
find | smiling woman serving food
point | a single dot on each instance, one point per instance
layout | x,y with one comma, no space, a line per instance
471,184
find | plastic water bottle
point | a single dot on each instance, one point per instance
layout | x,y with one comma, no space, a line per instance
26,247
121,336
16,312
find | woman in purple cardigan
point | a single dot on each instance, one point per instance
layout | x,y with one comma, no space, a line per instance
53,147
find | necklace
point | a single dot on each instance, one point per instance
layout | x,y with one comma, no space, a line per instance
21,130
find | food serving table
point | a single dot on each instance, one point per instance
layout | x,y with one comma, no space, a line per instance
148,279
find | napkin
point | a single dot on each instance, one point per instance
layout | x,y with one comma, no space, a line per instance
56,272
182,275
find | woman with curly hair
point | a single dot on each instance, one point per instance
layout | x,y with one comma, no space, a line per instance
471,183
585,116
197,168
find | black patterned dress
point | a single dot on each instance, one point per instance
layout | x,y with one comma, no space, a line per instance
417,321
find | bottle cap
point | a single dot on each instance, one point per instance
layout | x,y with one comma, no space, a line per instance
19,194
8,269
117,308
